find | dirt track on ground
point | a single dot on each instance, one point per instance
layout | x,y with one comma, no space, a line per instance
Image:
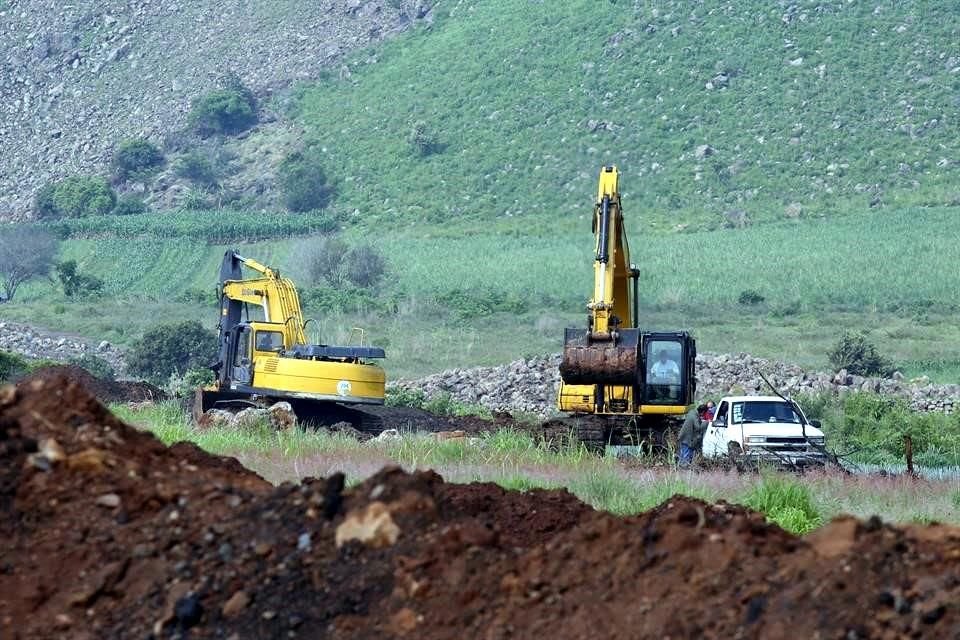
109,534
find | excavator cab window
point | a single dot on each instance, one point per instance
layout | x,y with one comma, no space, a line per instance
666,371
269,341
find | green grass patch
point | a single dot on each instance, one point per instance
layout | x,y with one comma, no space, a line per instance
785,501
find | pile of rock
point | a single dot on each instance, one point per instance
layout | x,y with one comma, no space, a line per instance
45,345
530,386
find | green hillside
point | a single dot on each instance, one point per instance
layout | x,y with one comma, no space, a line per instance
826,188
828,106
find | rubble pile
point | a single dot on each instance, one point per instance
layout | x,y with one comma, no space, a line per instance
530,385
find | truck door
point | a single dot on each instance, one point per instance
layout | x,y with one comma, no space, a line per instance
715,439
242,365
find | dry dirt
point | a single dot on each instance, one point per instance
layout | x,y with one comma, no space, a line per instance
109,534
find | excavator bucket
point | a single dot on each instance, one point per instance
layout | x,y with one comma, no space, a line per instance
611,362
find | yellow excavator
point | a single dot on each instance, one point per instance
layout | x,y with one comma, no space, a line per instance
623,385
267,360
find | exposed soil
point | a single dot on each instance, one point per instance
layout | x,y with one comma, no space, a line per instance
109,534
104,390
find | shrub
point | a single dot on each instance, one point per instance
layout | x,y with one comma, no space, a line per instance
171,348
95,365
198,169
12,366
858,356
181,386
75,283
750,297
303,181
478,302
136,159
364,266
421,140
322,260
228,111
413,398
130,205
75,197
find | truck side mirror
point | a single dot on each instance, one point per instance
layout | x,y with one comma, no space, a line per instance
815,424
720,423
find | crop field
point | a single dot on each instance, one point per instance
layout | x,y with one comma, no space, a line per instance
476,295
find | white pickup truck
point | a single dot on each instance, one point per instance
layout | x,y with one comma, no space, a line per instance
763,429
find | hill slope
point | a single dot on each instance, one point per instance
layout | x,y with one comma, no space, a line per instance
77,78
713,111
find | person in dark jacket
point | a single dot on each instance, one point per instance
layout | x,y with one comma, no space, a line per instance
691,434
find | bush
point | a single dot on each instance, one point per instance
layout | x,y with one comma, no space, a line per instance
12,366
421,140
750,297
475,303
95,365
413,398
858,356
182,386
172,348
228,111
130,205
75,197
343,298
75,283
321,260
364,266
198,169
137,159
303,181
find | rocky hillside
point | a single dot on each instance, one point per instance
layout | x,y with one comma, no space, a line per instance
530,386
77,78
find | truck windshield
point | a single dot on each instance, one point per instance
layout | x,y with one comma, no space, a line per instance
764,411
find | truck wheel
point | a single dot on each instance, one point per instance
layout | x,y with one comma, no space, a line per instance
735,453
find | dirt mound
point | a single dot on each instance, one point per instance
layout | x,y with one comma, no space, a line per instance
104,390
107,533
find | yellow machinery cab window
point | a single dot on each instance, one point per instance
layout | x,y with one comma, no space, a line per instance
269,341
664,372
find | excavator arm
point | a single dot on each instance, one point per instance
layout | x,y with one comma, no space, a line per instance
607,352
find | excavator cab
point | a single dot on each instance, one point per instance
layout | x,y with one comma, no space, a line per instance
668,381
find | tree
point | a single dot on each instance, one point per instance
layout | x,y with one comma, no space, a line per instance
858,356
76,283
25,254
229,110
171,348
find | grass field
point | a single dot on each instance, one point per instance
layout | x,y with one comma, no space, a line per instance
515,461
